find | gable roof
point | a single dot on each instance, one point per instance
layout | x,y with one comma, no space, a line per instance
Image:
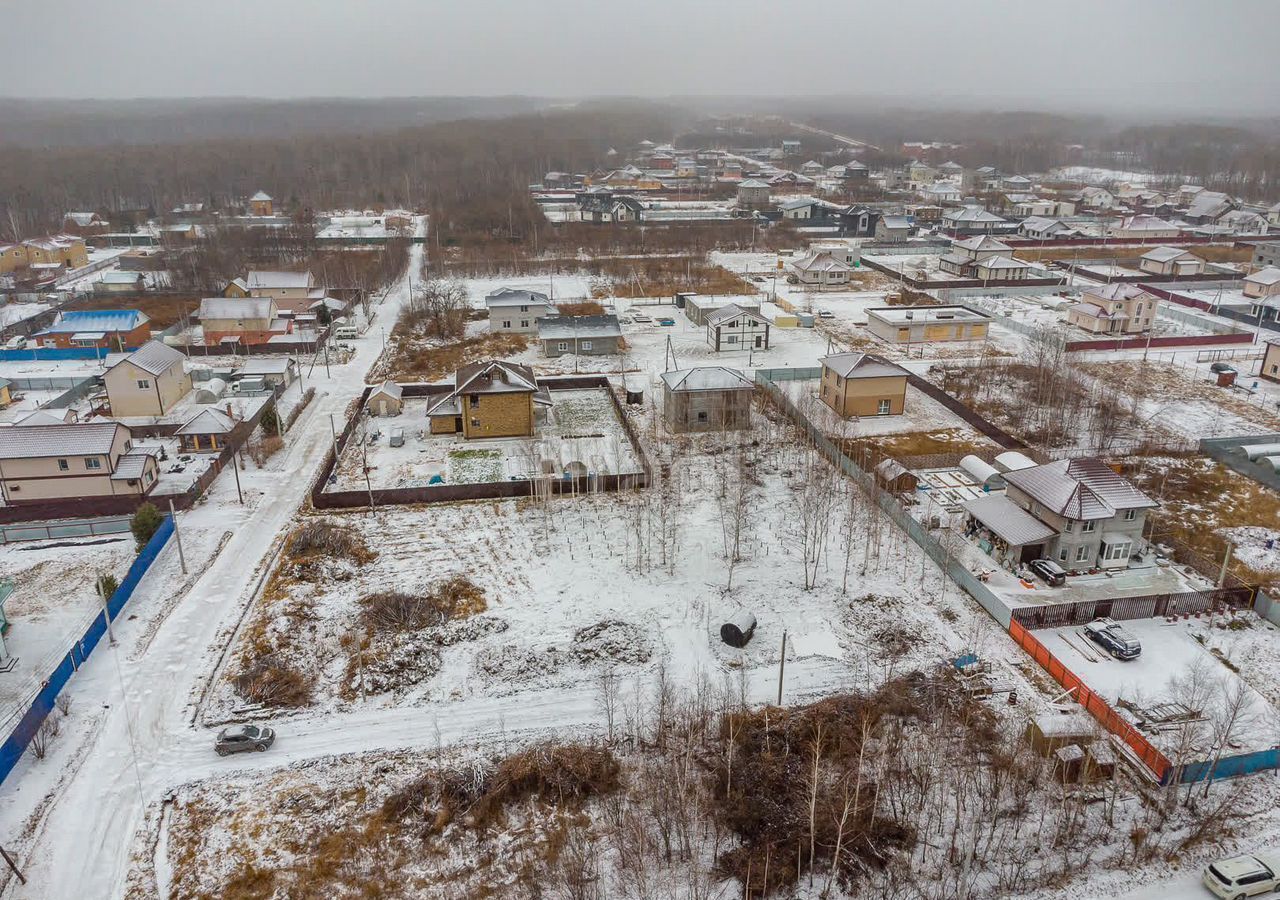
237,308
1167,254
971,214
208,421
153,357
983,242
707,378
861,365
578,327
1002,262
821,261
1269,275
515,297
90,438
1115,291
270,279
752,183
732,311
1079,489
105,320
390,388
261,195
39,417
1146,223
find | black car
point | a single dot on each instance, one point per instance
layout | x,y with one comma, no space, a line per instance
239,738
1110,636
1221,367
1052,573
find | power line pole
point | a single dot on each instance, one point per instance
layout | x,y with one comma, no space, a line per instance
13,867
235,467
782,664
177,536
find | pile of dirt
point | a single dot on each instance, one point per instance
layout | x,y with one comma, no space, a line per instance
612,640
515,665
464,630
391,662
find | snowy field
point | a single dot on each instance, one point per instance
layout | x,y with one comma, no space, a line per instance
12,313
581,427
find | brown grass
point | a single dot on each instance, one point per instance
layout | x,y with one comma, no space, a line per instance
454,598
1131,253
162,310
663,276
582,308
916,443
415,360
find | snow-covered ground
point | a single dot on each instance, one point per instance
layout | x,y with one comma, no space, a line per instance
11,313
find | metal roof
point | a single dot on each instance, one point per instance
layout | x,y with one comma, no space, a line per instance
131,466
1080,489
274,280
551,328
1167,254
209,421
707,378
515,297
732,311
237,308
390,388
35,441
1010,522
861,365
153,357
106,320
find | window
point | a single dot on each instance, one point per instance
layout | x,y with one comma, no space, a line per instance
524,323
1069,526
93,463
731,339
63,465
1088,527
1130,515
562,346
506,323
475,423
883,408
1062,554
1081,553
473,401
144,384
524,309
585,345
702,415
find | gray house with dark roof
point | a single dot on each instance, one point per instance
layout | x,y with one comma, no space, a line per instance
706,398
579,335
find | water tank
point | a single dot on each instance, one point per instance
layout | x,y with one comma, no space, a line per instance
210,391
738,630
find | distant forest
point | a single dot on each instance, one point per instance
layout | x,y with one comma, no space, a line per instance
468,161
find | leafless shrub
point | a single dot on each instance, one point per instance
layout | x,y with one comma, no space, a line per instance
262,447
324,537
63,703
438,308
271,681
44,735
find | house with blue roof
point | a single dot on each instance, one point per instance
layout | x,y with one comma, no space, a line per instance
109,329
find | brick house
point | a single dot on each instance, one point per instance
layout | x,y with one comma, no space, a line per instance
108,329
858,384
490,399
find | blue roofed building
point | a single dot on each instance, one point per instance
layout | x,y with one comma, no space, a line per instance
110,329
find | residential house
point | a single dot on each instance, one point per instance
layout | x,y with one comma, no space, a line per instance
41,463
927,324
84,224
965,255
1270,368
147,382
753,194
734,328
108,329
1144,227
247,320
387,399
1187,193
179,234
921,174
790,147
119,282
1273,215
1024,207
602,206
821,268
846,251
790,182
813,168
579,335
1097,198
858,384
856,170
1019,184
1171,262
64,250
1263,283
859,221
272,371
517,310
490,399
940,192
1266,254
698,309
261,204
1003,268
1097,515
1244,221
706,398
293,292
801,208
893,228
1043,228
971,220
208,431
1114,309
1207,207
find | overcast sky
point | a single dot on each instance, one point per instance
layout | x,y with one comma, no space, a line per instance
1075,54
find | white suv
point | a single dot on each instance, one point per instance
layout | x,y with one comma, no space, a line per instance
1243,876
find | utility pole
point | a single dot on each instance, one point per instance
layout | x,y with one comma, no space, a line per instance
334,431
106,611
782,663
173,516
235,467
13,867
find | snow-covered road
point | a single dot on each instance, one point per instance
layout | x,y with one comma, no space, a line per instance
81,845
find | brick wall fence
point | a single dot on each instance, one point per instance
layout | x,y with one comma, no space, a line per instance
491,490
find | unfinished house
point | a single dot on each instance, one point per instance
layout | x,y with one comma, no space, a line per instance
858,384
517,310
579,335
1079,512
706,398
734,328
1114,309
147,382
490,399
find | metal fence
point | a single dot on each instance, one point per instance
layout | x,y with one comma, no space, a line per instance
42,703
37,531
1149,606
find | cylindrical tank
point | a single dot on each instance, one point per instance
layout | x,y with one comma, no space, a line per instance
738,630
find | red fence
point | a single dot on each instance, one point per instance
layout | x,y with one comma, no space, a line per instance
1116,724
1138,343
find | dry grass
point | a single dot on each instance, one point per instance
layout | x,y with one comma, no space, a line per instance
1166,382
917,443
413,359
663,276
1127,253
162,310
582,308
454,598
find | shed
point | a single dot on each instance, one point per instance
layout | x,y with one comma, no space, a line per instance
1051,730
1012,461
386,400
894,477
738,630
982,472
1273,462
210,391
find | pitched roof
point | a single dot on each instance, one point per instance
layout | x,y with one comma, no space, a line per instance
752,183
261,195
1079,489
91,438
1002,262
477,378
390,388
105,320
971,214
237,308
39,417
153,357
983,242
1167,254
131,466
270,279
1146,223
861,365
732,311
121,277
265,365
515,297
82,218
208,421
706,378
1269,275
1115,291
821,261
1008,520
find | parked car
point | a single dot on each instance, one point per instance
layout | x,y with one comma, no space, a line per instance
1110,636
1243,876
1052,573
758,278
239,738
666,322
641,317
15,343
624,320
1220,367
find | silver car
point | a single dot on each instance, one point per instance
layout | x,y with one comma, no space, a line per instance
239,738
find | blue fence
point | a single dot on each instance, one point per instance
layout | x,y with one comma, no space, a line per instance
1231,766
35,354
16,743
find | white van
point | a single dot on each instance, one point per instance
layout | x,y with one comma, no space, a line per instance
346,333
15,343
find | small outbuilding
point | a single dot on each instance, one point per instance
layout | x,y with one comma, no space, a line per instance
207,432
738,630
986,475
387,399
1012,461
894,477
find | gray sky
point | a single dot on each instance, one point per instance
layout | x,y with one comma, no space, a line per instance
1078,54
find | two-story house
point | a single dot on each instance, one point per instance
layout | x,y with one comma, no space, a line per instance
246,320
517,310
1096,514
42,463
859,384
734,328
490,399
1115,309
147,382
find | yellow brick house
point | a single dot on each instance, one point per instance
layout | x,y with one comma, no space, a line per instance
490,399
